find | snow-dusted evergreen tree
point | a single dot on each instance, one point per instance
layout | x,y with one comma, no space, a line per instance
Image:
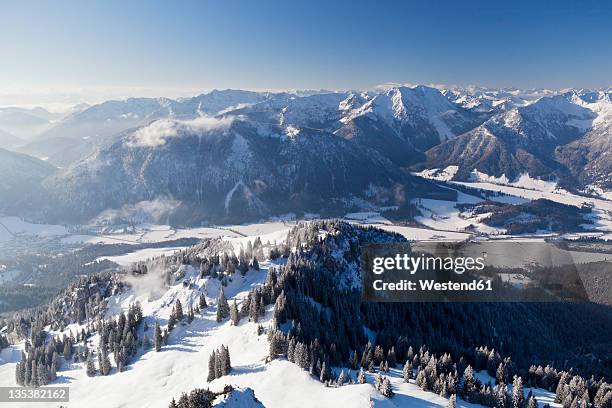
223,309
421,379
28,371
224,357
212,374
67,349
379,354
43,374
55,364
178,310
19,374
469,383
324,376
340,380
171,321
452,401
354,360
518,393
90,367
392,358
157,337
234,314
533,403
202,302
34,379
361,378
219,363
501,396
385,388
279,308
103,361
407,371
378,381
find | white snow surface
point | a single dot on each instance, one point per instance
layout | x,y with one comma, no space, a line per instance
12,226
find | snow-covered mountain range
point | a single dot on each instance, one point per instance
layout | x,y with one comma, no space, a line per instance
252,154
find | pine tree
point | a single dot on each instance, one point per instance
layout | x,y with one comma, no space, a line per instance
19,374
361,378
421,380
518,393
55,364
43,374
103,361
391,358
178,310
28,371
157,337
211,367
452,401
254,310
234,314
226,365
378,381
68,349
531,402
90,367
280,313
324,373
469,383
202,302
379,354
385,388
354,360
500,375
502,400
340,381
34,378
171,321
407,371
223,309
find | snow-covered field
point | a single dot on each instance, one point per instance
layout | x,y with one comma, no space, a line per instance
602,209
443,215
140,255
12,226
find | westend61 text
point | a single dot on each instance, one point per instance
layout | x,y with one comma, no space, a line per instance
432,285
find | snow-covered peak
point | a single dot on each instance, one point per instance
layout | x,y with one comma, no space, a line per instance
401,105
313,109
599,102
238,398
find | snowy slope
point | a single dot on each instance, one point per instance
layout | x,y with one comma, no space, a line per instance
154,378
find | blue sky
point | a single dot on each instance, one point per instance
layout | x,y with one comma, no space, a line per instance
182,46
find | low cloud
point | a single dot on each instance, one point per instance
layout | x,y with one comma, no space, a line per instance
144,211
152,284
156,133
